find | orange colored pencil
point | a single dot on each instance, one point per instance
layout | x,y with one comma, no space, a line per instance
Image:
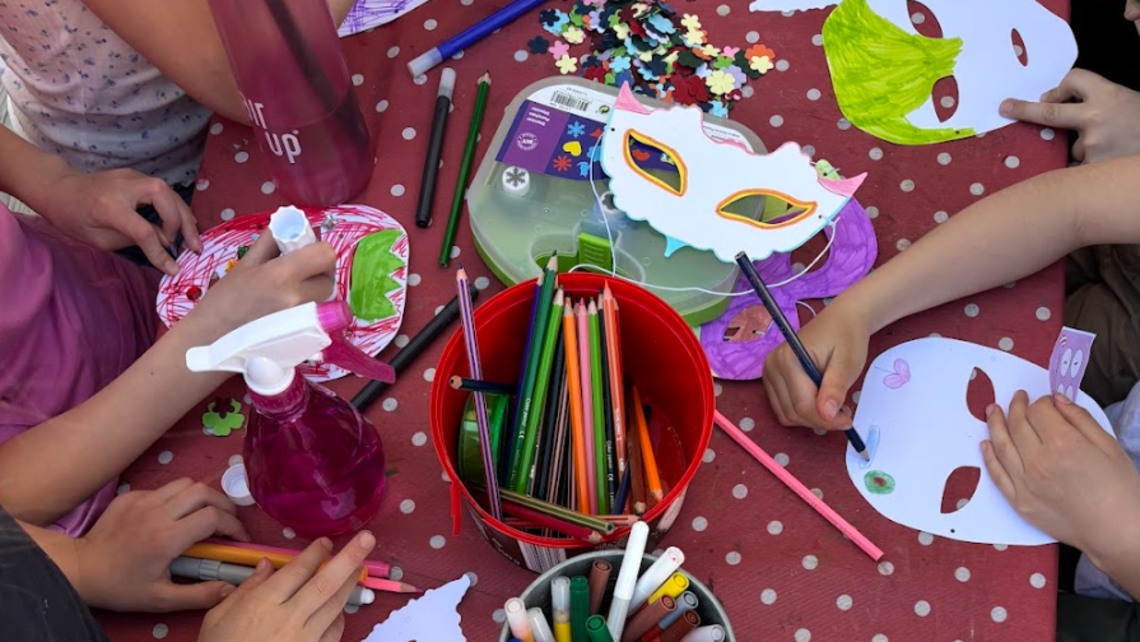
648,459
574,382
243,556
617,389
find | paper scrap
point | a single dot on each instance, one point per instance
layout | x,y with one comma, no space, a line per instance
432,617
366,14
920,431
1069,361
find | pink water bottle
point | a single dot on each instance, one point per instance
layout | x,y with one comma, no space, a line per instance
315,464
287,61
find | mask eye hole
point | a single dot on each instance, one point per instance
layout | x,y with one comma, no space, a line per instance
923,19
750,324
1019,49
764,208
960,488
656,162
979,394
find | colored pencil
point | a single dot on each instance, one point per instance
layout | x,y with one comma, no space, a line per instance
435,146
617,389
561,512
638,494
622,497
475,365
577,420
552,409
539,519
524,428
508,437
538,394
402,359
586,372
612,480
475,385
599,408
389,586
465,170
233,554
793,340
797,486
648,459
374,568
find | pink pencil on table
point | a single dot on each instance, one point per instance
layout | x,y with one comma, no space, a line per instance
375,569
797,486
587,402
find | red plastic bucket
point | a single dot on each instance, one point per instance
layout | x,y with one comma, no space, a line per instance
662,356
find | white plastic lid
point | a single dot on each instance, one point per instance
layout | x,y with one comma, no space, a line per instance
235,484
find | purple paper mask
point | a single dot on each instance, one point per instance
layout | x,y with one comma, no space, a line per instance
738,341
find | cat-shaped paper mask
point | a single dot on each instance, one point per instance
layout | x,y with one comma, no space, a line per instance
694,207
738,341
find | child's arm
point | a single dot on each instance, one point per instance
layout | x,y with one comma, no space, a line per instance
1067,476
41,476
123,563
179,37
1011,234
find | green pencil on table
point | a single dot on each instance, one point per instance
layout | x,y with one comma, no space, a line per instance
517,478
600,469
465,170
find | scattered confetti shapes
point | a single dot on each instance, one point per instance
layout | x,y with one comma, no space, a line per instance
658,52
575,129
222,417
562,163
574,148
538,45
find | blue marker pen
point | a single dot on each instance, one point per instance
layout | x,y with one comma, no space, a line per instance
448,48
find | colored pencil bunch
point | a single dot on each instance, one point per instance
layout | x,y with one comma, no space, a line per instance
654,605
576,444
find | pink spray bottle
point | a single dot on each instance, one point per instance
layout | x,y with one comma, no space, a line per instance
315,464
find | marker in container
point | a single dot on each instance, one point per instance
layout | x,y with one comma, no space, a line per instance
673,587
539,628
596,629
655,575
599,580
627,578
579,608
517,620
560,609
213,570
707,633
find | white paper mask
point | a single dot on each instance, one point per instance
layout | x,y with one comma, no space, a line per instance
913,414
977,48
712,176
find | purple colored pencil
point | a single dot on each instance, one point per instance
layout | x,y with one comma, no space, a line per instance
475,365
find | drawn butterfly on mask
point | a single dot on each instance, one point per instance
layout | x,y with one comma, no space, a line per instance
700,204
738,341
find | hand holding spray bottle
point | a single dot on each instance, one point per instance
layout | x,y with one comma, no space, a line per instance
314,462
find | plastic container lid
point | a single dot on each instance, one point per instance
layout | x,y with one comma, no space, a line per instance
235,484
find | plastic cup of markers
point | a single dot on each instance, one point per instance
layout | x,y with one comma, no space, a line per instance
661,355
538,593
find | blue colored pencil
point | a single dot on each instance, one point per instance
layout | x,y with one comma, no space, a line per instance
798,347
475,365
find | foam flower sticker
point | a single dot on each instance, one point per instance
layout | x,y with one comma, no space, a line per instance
574,35
709,51
619,64
639,9
559,49
568,64
762,64
718,109
662,24
691,22
620,29
694,38
720,82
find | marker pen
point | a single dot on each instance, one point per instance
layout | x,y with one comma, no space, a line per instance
212,570
517,620
539,626
656,575
560,607
627,578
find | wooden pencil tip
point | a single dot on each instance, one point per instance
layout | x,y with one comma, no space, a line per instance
455,382
552,264
864,455
593,307
558,297
606,292
486,77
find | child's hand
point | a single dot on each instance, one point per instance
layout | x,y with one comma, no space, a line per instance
261,284
302,602
838,344
123,563
99,209
1105,115
1064,474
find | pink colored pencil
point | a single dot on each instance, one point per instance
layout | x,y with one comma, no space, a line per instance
585,374
390,586
374,568
797,486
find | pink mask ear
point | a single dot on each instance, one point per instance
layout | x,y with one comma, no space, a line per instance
627,102
845,187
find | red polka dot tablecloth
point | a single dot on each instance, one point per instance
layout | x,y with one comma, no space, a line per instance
781,572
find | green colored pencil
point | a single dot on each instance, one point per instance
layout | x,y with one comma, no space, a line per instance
600,470
465,169
525,402
538,399
571,516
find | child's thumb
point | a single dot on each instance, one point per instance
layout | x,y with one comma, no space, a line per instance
842,372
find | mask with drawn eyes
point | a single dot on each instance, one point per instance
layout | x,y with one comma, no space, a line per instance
738,341
698,205
922,436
